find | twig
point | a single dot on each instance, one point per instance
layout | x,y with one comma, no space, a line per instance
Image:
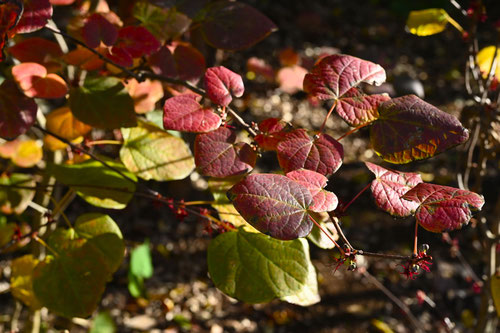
327,116
457,6
336,223
383,255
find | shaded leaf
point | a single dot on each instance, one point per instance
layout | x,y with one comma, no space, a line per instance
357,108
234,26
39,50
103,102
21,280
298,150
319,238
323,200
7,230
23,153
101,186
273,130
184,113
34,81
443,208
15,200
164,23
35,16
10,12
256,268
410,129
152,153
137,41
217,154
335,75
274,205
62,122
427,21
97,29
221,84
17,112
83,58
219,187
181,60
389,186
495,292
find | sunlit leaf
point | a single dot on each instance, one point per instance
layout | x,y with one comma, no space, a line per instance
152,153
145,94
103,102
274,205
141,267
62,122
17,112
273,130
443,208
217,154
298,150
389,186
184,113
14,200
34,81
323,200
97,29
234,26
410,129
335,75
219,187
221,84
103,323
427,21
21,280
83,58
309,294
100,186
357,108
256,268
35,16
23,153
484,60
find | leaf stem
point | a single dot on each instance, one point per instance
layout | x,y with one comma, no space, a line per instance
355,129
327,235
356,197
336,223
415,244
103,142
327,116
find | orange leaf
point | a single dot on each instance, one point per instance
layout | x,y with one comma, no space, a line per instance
145,94
34,81
23,153
62,122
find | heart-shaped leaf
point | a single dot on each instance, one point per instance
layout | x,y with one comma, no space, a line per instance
389,186
217,154
137,41
442,208
410,129
298,150
152,153
39,50
335,75
323,200
145,94
17,112
35,16
15,200
97,29
34,81
272,132
62,122
308,294
221,83
101,186
274,205
234,26
427,22
103,102
184,113
180,60
357,108
256,268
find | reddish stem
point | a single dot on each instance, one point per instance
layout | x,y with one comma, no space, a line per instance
327,116
357,196
355,129
415,250
327,235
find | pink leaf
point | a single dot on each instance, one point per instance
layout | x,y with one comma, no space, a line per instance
217,155
97,29
443,208
323,201
291,79
357,108
221,83
34,81
17,112
298,150
184,113
334,75
389,186
35,16
274,205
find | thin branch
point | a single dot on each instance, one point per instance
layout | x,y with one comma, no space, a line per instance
457,6
383,255
327,116
336,223
355,129
327,235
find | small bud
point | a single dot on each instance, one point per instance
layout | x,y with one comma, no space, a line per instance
424,248
352,266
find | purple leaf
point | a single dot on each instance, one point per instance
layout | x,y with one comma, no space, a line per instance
323,201
221,83
184,113
17,112
274,205
443,208
389,186
35,16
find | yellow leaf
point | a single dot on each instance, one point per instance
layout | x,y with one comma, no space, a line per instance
23,153
21,280
427,22
495,292
62,122
54,144
484,59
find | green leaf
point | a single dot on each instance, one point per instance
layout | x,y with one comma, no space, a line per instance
15,200
152,153
319,238
256,268
103,102
6,233
95,183
427,22
308,295
93,224
21,280
218,187
162,22
141,267
103,323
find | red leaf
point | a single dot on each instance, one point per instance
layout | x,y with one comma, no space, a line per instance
334,75
234,25
410,129
217,155
221,83
272,132
298,150
10,13
443,208
291,79
389,186
274,205
120,56
186,63
61,2
17,112
34,81
323,201
357,108
35,16
97,29
38,50
184,113
137,41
